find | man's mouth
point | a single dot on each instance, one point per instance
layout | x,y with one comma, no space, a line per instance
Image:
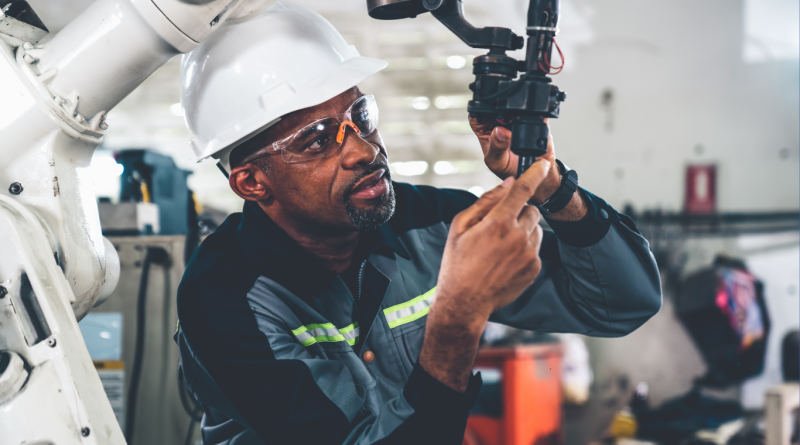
372,186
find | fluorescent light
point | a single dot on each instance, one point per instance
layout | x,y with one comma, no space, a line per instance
420,103
176,109
444,168
460,126
476,190
410,168
456,62
454,101
403,128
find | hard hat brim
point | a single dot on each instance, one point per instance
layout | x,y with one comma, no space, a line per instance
347,75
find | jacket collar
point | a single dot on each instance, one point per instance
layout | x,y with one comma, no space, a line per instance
280,258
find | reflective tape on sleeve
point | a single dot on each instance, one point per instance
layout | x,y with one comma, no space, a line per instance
350,333
326,333
411,310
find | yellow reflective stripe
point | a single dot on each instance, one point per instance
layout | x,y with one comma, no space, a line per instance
415,316
411,310
312,327
347,329
326,332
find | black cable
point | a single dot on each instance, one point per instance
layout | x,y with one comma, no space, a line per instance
192,231
192,411
195,413
157,255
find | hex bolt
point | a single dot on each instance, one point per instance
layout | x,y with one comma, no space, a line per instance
85,431
3,292
51,342
15,188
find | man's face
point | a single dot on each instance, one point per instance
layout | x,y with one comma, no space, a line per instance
349,190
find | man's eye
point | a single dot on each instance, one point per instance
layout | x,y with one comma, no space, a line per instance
317,144
361,119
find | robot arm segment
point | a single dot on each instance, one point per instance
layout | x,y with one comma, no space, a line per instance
57,89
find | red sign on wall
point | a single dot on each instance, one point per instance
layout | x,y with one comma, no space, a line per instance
701,189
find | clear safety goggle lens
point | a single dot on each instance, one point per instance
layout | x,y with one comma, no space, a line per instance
324,137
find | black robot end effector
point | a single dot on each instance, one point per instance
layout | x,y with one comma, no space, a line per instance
450,13
498,93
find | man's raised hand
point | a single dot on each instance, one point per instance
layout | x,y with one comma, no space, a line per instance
492,251
491,256
495,143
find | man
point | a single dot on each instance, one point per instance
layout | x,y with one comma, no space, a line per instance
342,308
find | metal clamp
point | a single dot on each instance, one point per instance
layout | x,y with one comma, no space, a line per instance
78,126
542,28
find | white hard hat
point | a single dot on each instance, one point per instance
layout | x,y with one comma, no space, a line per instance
247,75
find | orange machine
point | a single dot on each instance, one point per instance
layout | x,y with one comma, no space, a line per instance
523,383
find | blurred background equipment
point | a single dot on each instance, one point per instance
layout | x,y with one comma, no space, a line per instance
154,245
153,177
724,311
520,401
145,392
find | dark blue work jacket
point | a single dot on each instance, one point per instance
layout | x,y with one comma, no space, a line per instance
271,345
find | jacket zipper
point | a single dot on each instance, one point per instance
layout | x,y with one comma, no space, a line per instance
360,277
356,298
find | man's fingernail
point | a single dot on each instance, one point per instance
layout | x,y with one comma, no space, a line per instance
508,181
500,134
545,164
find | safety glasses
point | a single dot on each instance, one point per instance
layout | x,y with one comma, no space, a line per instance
324,137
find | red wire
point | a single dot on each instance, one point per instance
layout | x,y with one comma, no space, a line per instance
546,62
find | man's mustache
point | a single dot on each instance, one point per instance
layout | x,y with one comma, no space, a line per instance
368,171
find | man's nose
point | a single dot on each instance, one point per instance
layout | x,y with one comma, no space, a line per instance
357,151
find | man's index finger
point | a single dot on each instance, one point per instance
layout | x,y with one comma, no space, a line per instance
523,189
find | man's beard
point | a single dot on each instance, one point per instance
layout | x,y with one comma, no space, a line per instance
374,217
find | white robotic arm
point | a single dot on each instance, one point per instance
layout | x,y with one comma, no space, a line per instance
55,91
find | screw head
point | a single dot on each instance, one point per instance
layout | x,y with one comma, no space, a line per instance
51,342
15,188
3,292
85,431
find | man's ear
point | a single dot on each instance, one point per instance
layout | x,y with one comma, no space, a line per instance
250,183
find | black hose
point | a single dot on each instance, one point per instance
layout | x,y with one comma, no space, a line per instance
195,411
157,255
189,432
192,408
195,416
192,231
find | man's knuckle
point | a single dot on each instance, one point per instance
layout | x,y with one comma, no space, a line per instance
526,188
500,226
519,237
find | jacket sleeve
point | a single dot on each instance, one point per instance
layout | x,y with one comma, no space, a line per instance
598,278
276,389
